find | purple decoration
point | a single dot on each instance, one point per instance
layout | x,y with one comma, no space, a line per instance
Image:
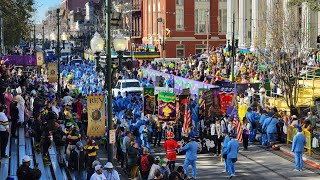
20,60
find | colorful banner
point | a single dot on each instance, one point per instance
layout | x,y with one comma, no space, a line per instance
208,112
226,94
180,83
40,58
53,72
216,102
149,103
96,115
20,60
166,106
201,103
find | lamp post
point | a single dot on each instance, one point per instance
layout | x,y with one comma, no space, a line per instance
58,51
97,45
120,44
34,38
64,38
43,48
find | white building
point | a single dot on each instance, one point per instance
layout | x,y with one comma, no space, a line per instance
250,13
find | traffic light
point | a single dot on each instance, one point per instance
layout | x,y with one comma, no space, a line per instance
236,43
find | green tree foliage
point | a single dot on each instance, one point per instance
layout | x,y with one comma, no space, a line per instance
313,4
16,20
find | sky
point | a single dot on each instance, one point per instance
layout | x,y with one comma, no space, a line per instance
42,6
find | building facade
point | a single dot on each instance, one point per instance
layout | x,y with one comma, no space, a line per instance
186,26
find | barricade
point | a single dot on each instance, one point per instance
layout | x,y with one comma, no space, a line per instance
291,132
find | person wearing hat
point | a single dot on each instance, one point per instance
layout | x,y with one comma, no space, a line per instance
232,154
270,127
110,173
164,169
155,166
24,172
171,145
298,143
21,105
263,117
224,150
191,156
77,161
14,117
98,175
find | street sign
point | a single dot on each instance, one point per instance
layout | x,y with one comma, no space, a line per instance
112,139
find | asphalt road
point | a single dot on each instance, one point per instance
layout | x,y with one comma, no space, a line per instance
255,164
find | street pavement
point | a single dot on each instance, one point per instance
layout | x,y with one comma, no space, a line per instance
257,164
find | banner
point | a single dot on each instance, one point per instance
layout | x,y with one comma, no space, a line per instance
40,59
186,91
167,106
201,103
27,60
149,103
226,94
53,72
162,89
96,114
208,113
216,102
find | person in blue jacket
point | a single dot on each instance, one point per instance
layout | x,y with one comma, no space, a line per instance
191,156
224,150
263,117
255,118
270,124
298,143
232,150
252,123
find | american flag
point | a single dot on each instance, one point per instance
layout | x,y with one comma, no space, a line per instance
186,120
237,123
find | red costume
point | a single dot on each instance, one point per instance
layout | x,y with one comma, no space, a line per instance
170,146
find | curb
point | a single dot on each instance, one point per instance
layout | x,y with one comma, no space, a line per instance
310,163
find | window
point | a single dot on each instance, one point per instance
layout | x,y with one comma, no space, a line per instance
180,51
180,14
201,13
222,20
200,48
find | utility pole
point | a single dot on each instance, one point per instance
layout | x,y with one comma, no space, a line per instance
233,48
58,51
43,38
207,29
1,34
108,79
34,38
163,41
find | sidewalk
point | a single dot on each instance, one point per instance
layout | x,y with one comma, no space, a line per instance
313,160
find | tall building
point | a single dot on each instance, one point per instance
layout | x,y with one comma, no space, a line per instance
187,26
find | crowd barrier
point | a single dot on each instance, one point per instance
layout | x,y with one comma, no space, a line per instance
291,132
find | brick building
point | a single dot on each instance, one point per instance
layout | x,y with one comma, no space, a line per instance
184,24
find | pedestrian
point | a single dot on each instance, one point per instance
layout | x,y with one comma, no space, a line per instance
110,173
77,161
191,156
21,106
14,117
98,175
146,162
133,155
225,149
298,143
232,150
164,169
157,175
216,134
4,131
91,168
245,133
60,143
91,150
155,166
24,172
124,147
171,146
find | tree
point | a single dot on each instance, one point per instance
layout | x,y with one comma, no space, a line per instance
16,20
282,48
313,4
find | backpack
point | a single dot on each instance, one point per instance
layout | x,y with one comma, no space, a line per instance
73,159
144,162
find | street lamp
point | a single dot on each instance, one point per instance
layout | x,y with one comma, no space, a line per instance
58,50
64,38
97,45
53,38
120,45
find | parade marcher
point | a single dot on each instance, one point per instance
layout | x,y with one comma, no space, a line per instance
4,131
270,124
171,146
24,172
110,173
158,133
191,156
245,133
216,134
298,143
98,175
225,149
263,137
155,166
232,150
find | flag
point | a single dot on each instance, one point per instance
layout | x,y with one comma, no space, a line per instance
186,121
237,124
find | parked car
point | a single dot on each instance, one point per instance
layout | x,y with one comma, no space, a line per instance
132,86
